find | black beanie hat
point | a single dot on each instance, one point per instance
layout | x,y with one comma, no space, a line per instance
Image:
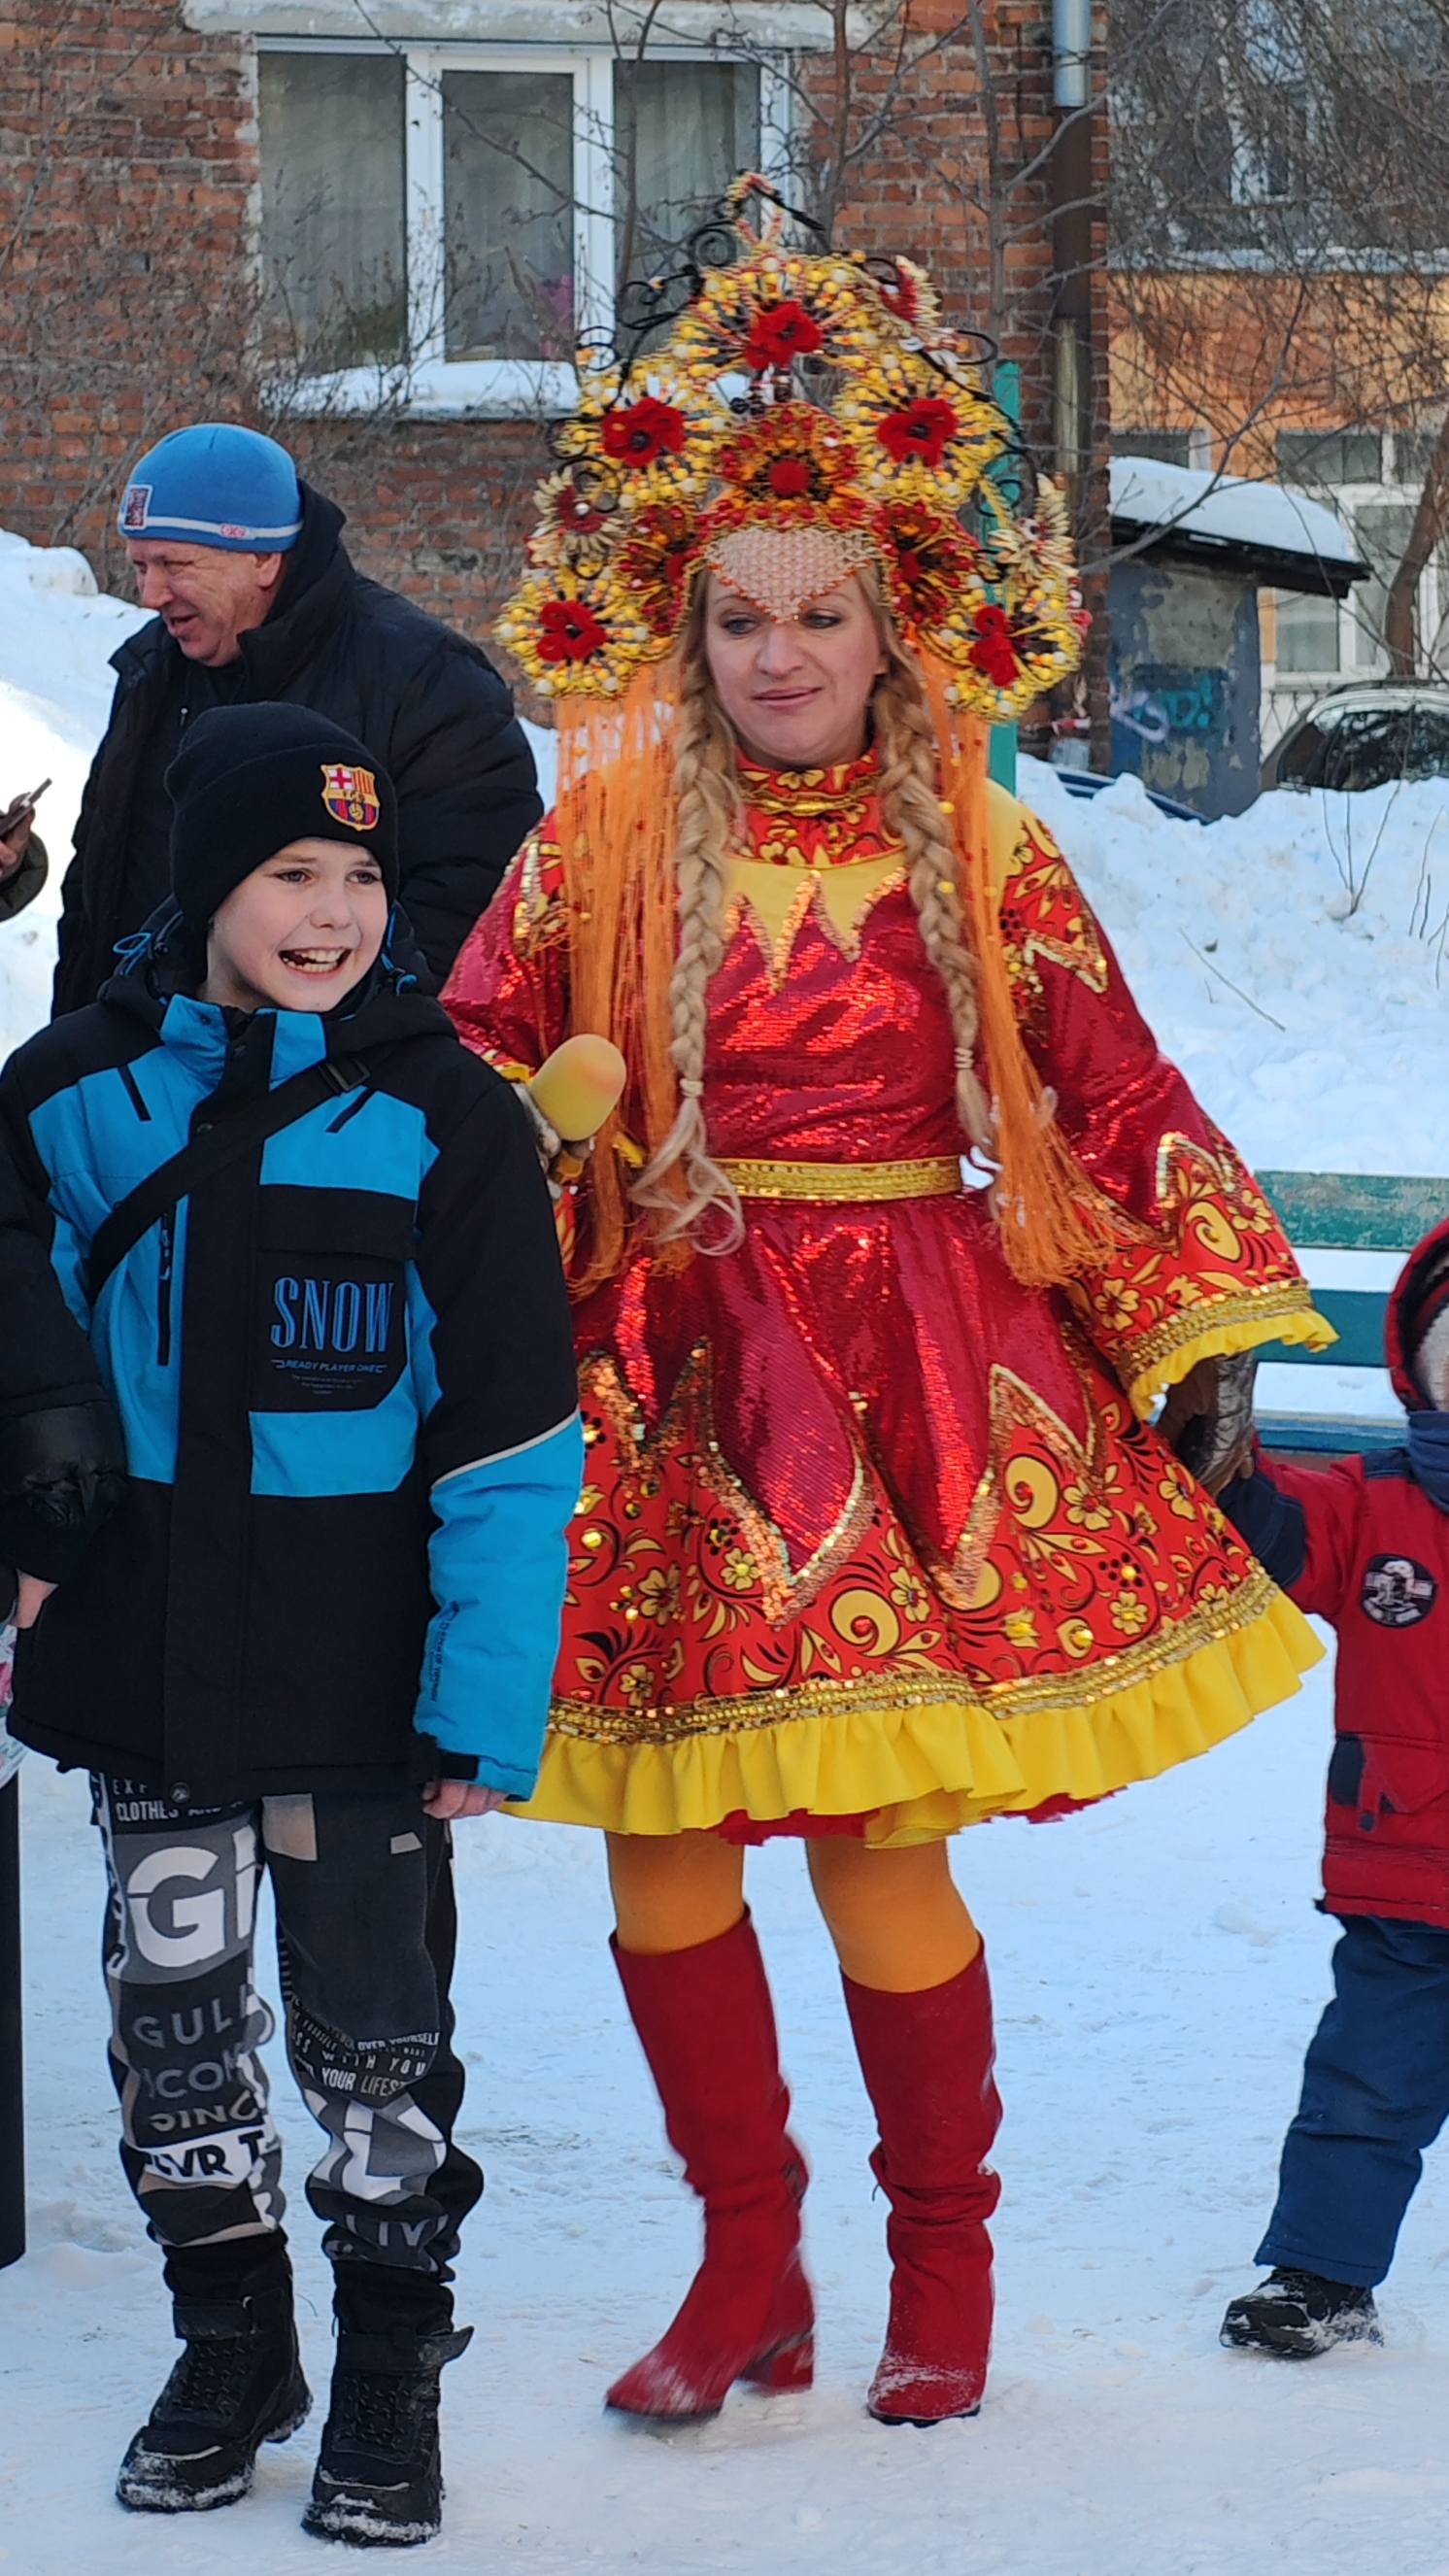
247,780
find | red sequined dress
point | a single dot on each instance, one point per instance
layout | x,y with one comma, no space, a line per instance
871,1532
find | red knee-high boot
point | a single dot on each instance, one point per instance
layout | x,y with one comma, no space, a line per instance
707,2027
927,2061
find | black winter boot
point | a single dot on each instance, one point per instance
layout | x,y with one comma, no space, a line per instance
379,2481
1297,2315
238,2384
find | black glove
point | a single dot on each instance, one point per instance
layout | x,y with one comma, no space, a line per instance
1209,1442
62,1473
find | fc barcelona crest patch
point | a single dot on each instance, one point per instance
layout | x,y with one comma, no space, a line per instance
350,795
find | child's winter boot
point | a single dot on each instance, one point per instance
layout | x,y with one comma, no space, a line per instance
238,2384
379,2480
927,2061
707,2027
1296,2315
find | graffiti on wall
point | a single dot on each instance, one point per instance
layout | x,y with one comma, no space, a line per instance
1156,703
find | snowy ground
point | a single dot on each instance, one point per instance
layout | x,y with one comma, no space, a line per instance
1158,1967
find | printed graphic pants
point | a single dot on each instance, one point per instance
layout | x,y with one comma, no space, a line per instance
366,1925
1375,2094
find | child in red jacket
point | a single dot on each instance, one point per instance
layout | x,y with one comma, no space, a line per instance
1365,1544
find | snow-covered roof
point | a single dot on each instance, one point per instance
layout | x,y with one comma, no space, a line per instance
1205,510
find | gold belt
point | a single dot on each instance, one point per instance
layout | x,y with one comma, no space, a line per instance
934,1176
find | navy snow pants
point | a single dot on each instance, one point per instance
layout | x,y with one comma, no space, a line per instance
1375,2094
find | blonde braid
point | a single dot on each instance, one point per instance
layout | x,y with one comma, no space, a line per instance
911,810
707,803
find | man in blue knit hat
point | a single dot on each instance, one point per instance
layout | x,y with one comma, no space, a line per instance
255,598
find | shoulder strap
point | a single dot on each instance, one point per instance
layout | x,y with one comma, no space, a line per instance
209,1151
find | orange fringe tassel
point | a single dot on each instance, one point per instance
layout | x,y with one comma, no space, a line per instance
615,811
616,828
1053,1222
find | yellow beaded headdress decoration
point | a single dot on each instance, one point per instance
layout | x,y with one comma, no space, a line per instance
813,398
789,418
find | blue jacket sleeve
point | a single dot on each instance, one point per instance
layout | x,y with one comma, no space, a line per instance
501,1446
499,1562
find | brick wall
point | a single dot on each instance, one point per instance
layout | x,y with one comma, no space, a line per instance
128,185
127,166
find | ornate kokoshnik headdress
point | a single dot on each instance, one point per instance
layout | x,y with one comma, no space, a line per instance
803,417
820,399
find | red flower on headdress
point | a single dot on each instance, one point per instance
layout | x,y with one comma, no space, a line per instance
933,560
923,428
568,631
994,652
791,453
639,433
653,564
779,333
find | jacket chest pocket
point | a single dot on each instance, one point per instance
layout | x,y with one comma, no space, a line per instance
329,1329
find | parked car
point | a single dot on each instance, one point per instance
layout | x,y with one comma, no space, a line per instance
1365,737
1090,782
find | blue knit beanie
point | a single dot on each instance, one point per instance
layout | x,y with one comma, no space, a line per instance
215,485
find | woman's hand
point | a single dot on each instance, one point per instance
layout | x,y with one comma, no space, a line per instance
1207,1419
30,1599
1193,1395
446,1799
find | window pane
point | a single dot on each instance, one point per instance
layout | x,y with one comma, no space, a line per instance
508,140
1165,446
333,246
1307,633
1312,458
683,132
1366,748
1412,451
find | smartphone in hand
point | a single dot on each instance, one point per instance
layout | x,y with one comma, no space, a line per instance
21,808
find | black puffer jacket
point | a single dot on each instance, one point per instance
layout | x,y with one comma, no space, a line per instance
427,702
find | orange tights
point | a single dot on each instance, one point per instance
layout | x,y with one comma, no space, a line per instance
895,1917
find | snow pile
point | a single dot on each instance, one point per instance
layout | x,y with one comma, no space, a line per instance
57,633
1293,960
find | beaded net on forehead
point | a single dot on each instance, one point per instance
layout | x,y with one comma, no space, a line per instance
780,570
821,399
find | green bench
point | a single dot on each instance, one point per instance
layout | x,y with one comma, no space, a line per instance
1344,1212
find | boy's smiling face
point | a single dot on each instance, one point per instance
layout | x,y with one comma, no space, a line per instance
299,932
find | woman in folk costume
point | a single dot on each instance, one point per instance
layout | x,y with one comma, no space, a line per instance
876,1541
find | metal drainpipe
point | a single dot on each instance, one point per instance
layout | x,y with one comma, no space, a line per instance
1071,169
1071,192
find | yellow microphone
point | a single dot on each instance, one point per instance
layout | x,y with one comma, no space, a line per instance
578,1085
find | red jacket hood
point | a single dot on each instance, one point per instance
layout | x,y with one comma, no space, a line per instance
1403,1297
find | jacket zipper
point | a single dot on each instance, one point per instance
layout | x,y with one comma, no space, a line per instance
163,1289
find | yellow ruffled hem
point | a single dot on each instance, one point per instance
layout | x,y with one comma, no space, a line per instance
1303,1328
923,1772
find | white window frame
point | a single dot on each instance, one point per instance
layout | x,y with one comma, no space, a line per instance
427,382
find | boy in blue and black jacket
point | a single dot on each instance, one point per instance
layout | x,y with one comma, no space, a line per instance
323,1622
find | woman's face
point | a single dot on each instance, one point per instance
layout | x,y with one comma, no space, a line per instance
795,690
